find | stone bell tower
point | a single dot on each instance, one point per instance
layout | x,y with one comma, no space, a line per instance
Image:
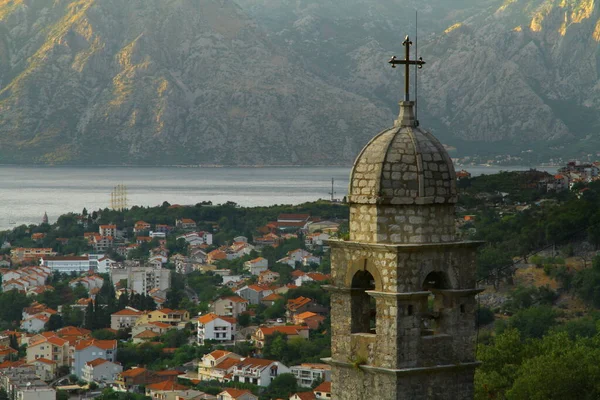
403,292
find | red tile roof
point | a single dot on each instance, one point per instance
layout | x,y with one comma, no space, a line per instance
323,387
166,386
236,393
101,344
130,373
96,362
286,329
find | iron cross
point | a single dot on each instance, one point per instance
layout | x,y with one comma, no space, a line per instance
407,62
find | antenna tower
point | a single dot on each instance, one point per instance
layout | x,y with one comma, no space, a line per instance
118,198
332,193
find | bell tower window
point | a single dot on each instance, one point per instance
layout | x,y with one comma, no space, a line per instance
363,306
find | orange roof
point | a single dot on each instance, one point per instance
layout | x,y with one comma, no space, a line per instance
166,386
57,341
128,311
227,363
294,304
187,221
236,299
205,319
169,372
317,276
286,330
272,297
258,259
305,315
236,393
96,362
218,354
255,362
306,395
147,334
7,350
73,330
44,361
101,344
323,387
160,324
130,373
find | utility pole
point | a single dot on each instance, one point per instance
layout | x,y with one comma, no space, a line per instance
332,193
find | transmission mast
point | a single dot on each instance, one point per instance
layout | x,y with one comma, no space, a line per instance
118,198
332,193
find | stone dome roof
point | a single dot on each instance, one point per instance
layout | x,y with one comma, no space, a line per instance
403,165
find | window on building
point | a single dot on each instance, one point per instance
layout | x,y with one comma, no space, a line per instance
363,306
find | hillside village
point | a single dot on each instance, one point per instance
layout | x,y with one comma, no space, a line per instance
223,302
222,318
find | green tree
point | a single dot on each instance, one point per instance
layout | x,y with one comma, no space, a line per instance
282,386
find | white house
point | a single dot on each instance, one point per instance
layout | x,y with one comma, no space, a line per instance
256,266
215,327
294,256
231,306
258,371
108,230
37,323
101,370
307,374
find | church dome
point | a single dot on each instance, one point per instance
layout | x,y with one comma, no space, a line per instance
403,165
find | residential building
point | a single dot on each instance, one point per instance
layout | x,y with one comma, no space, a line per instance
141,279
37,323
160,328
231,306
145,336
21,383
216,255
298,256
134,378
21,254
323,391
215,327
165,315
217,365
302,304
271,299
256,266
166,390
258,371
290,331
307,374
236,394
267,277
51,348
101,370
69,264
270,239
125,319
197,238
309,319
185,224
89,282
309,277
315,240
194,395
253,293
141,226
6,352
108,230
88,350
45,369
303,396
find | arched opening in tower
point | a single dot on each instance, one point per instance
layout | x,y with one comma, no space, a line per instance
431,316
363,306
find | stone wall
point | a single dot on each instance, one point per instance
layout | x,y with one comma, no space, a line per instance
407,224
360,384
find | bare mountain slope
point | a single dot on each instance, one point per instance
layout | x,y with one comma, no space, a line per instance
164,82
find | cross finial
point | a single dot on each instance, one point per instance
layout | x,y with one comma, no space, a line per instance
407,62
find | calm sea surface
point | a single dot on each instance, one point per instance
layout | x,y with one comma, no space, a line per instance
27,192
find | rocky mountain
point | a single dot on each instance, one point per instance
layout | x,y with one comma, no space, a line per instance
503,76
278,82
165,82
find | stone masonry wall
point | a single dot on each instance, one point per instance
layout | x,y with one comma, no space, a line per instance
398,225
